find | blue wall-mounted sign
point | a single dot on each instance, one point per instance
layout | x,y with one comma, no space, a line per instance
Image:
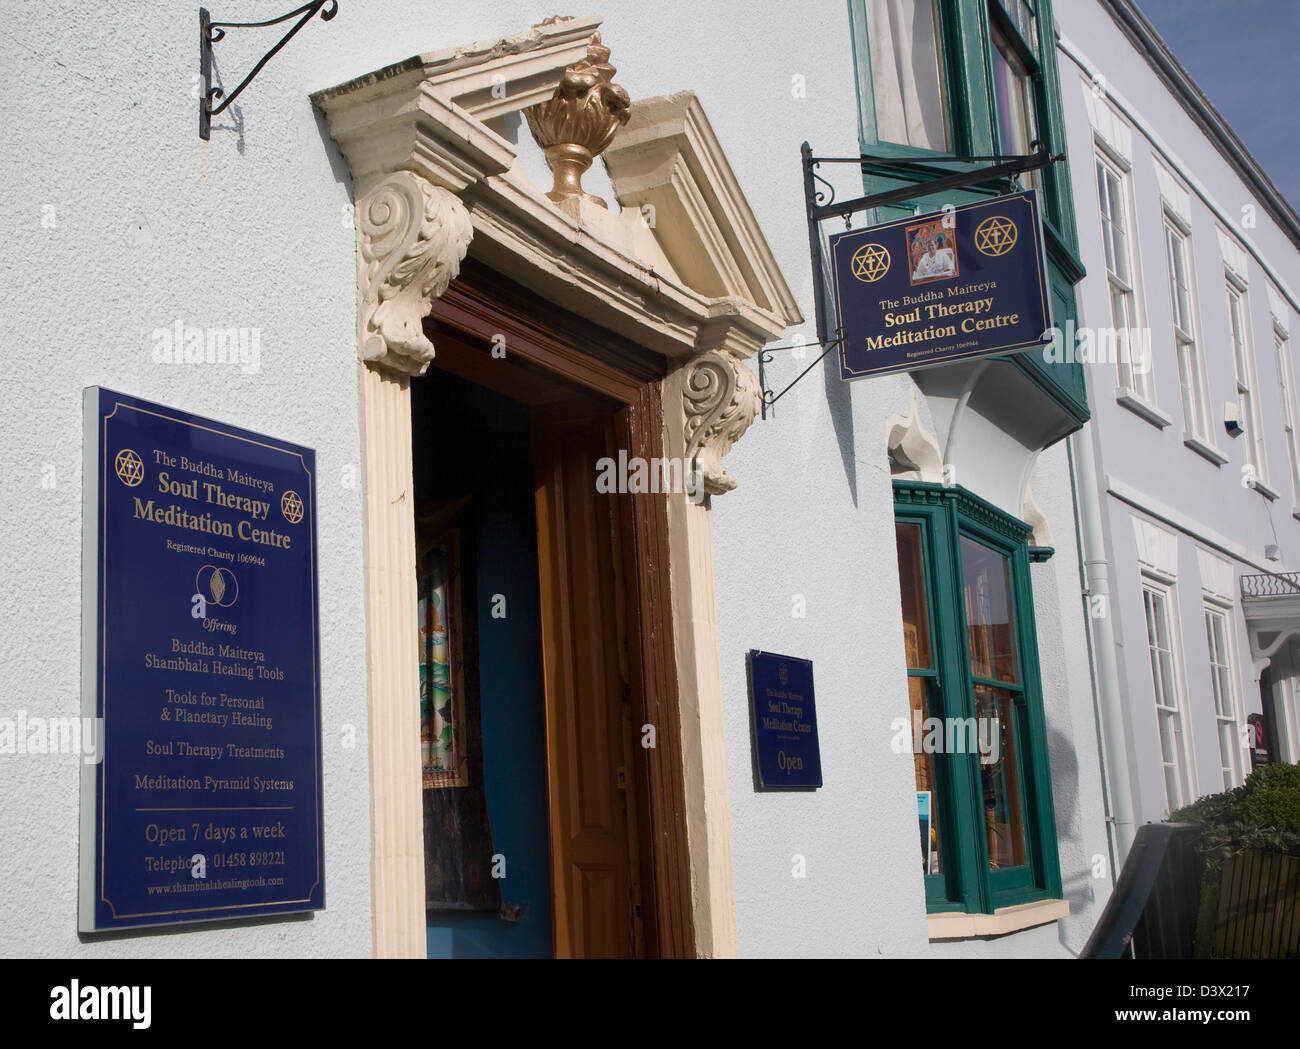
200,655
943,287
786,751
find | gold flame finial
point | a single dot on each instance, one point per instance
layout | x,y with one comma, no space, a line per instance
579,121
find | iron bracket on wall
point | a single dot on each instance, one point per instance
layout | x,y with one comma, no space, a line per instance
820,205
210,32
770,397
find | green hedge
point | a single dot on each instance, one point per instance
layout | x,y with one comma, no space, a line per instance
1263,814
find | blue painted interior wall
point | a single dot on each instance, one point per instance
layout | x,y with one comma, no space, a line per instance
482,449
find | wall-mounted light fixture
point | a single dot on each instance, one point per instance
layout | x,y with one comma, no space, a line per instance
1232,419
210,32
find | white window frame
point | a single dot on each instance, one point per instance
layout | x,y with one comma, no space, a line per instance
1186,325
1230,722
1287,732
1243,364
1128,287
1169,695
1290,414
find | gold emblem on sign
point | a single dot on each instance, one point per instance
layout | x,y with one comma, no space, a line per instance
996,236
218,585
291,506
783,672
870,262
130,470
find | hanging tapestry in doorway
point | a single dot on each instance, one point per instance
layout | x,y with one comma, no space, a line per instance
458,852
442,699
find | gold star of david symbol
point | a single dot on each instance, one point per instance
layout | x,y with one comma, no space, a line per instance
291,506
130,470
996,236
870,262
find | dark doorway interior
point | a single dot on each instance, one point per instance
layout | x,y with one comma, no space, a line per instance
473,476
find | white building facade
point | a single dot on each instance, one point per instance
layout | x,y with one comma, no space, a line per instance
1189,491
378,220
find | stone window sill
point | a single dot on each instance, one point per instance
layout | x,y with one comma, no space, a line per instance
1142,408
953,925
1208,451
1263,489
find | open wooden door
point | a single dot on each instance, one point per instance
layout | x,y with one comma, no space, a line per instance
589,693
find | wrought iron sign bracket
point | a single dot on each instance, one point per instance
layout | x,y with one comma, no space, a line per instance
210,32
820,205
770,397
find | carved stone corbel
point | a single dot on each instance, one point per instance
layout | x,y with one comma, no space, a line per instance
411,239
721,398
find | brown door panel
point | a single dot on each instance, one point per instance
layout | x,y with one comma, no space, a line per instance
585,669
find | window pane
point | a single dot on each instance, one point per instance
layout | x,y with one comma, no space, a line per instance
1225,706
1222,685
1179,287
924,768
911,583
907,79
1165,687
1004,820
1104,202
1173,792
1110,190
1168,745
1013,95
1238,312
1121,319
986,581
1235,328
1191,391
1282,352
1214,639
1227,750
1022,16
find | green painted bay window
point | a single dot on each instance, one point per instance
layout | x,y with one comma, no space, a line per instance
945,78
977,723
950,78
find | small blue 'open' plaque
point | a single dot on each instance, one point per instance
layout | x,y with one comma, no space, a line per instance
786,751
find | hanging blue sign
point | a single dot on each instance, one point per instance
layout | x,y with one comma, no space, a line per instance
786,750
965,282
200,655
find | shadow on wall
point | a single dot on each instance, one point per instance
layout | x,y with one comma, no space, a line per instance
840,403
1079,886
236,125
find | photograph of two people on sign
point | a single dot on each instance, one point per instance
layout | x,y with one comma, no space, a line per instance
931,248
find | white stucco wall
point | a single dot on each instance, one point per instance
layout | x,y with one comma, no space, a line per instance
151,225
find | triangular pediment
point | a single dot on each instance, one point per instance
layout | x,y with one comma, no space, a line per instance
669,158
699,274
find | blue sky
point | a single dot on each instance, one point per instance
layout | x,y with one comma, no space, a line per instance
1242,55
